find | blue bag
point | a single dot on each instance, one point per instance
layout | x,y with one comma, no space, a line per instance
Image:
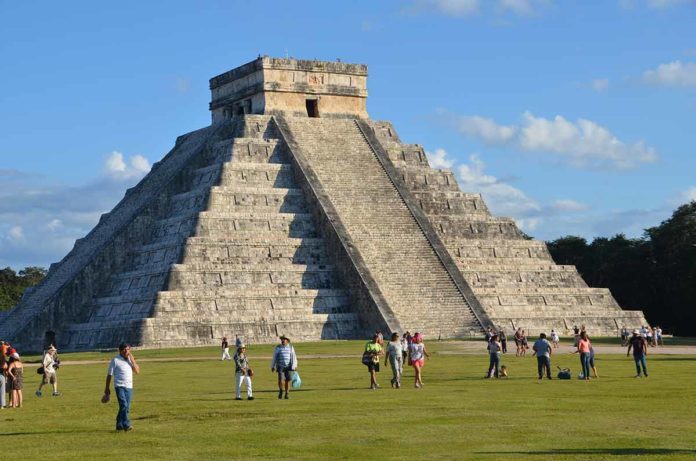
296,381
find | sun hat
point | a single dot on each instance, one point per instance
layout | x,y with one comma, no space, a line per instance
52,348
282,337
636,331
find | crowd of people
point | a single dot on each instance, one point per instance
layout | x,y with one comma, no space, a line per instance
406,349
542,348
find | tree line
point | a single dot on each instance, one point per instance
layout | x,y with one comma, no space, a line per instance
13,284
655,273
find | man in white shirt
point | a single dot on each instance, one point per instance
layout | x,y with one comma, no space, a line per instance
121,368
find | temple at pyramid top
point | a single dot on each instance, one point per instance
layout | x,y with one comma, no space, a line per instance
290,86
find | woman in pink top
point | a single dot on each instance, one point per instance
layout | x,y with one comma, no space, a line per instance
584,350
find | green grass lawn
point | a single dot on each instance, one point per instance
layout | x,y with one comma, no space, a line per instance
185,410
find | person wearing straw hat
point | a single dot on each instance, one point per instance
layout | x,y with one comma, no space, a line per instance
49,371
284,362
242,373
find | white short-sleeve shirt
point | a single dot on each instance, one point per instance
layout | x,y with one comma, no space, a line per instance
122,371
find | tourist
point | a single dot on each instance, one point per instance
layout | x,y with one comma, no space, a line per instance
554,338
225,349
494,348
624,336
576,335
524,345
380,337
15,371
583,348
518,342
592,364
418,353
121,368
404,348
654,337
237,341
370,358
3,376
284,363
49,371
658,336
395,360
503,341
488,335
640,352
542,350
242,373
649,336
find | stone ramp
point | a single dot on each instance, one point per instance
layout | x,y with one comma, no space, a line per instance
409,274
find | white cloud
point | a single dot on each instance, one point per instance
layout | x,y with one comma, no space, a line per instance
117,168
438,159
689,194
467,8
674,73
521,7
581,144
16,233
567,205
665,3
504,199
600,84
485,129
47,217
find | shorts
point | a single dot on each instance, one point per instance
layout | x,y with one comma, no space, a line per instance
49,378
285,374
419,362
372,366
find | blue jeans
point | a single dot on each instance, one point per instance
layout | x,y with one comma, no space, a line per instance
493,365
585,363
640,361
3,381
544,362
124,396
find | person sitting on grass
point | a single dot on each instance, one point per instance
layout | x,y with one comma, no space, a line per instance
373,349
284,362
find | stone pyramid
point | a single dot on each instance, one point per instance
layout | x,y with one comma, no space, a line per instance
294,213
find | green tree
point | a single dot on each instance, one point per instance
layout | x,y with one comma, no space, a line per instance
12,284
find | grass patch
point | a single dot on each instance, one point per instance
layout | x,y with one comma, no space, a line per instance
185,410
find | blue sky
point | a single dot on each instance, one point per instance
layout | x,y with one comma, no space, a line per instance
573,117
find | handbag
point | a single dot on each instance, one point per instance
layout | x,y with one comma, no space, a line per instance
296,381
40,371
366,358
250,372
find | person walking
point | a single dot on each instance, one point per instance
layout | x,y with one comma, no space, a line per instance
121,369
284,363
542,350
225,349
418,353
242,374
49,371
640,352
15,371
583,348
404,349
554,338
503,341
3,377
370,358
494,348
395,360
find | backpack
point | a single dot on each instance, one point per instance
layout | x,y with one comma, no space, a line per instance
564,373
